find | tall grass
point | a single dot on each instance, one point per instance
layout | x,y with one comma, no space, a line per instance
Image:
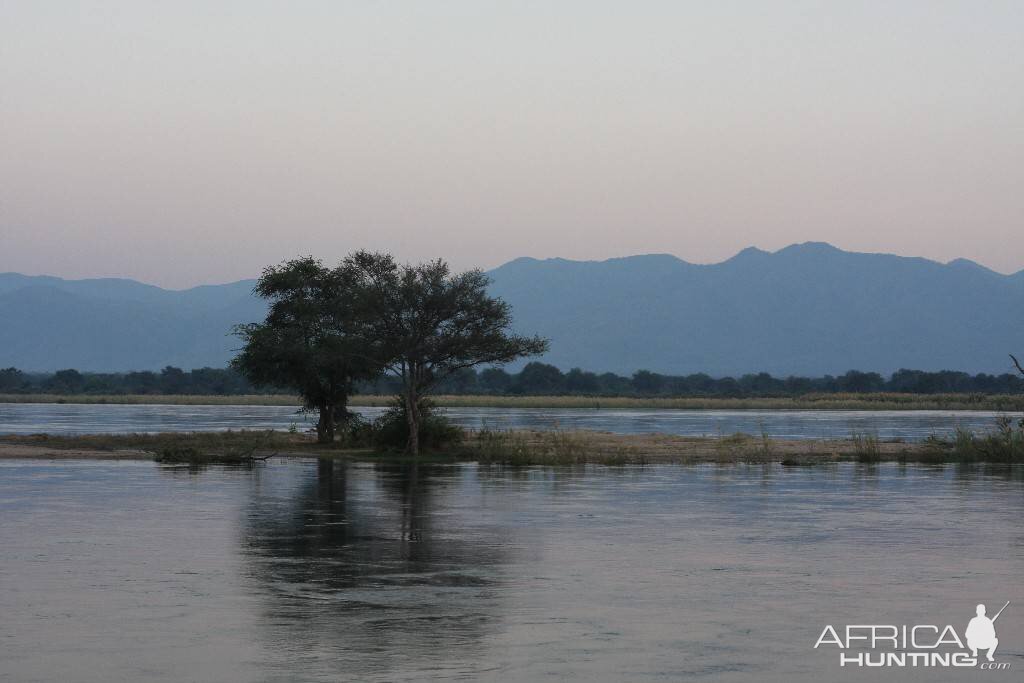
199,447
1005,444
742,447
866,447
557,447
545,448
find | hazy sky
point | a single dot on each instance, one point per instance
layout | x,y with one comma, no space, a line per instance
187,142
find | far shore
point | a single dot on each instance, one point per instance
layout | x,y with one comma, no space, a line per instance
521,447
882,401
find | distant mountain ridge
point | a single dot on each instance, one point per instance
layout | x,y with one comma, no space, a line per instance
47,323
807,309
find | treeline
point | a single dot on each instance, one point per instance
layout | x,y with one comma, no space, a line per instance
535,379
170,380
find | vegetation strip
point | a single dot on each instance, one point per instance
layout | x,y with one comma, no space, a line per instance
522,447
534,379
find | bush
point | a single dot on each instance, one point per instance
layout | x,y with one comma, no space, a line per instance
229,449
1006,444
390,431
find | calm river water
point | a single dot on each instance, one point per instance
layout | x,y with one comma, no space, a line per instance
301,570
28,418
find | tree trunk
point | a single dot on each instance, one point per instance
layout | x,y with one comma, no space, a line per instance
325,425
412,418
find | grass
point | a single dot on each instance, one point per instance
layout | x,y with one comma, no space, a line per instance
523,447
880,401
546,448
741,447
230,440
242,447
1004,445
866,447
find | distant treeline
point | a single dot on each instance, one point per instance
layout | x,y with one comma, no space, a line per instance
535,379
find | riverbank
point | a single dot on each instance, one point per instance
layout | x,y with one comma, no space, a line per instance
522,447
884,401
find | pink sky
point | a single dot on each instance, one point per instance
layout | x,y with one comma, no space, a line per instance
179,143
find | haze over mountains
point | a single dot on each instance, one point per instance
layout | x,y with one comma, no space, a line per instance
808,309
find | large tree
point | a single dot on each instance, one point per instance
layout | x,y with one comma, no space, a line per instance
423,323
307,343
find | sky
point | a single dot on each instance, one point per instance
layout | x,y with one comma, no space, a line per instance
184,142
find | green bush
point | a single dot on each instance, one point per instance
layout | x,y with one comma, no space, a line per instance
390,431
205,448
1006,444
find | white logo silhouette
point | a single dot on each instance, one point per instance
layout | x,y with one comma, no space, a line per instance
981,632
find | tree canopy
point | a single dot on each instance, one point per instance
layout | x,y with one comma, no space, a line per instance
329,328
428,324
307,341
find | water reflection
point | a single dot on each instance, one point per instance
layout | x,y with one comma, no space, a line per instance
326,571
359,561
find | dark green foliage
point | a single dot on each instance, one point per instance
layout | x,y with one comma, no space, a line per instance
540,378
860,382
180,454
1005,444
13,380
425,325
173,380
499,382
201,381
183,453
646,382
309,341
231,444
66,382
390,431
490,381
578,381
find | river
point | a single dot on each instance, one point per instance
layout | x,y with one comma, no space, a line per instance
28,418
299,570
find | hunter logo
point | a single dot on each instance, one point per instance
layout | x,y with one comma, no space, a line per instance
920,645
981,633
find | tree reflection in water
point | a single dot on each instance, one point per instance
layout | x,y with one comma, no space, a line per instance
362,569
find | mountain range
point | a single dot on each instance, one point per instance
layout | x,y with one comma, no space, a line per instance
807,309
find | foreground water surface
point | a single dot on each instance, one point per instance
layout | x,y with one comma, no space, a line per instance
29,418
305,570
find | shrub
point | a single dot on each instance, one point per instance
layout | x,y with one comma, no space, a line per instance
1005,444
226,448
390,431
866,447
